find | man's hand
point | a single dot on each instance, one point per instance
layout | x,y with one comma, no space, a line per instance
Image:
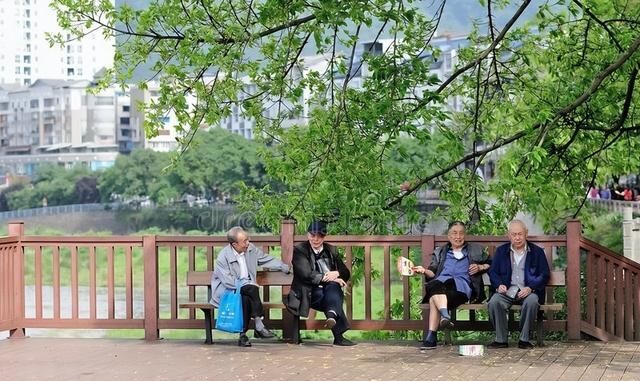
330,276
476,268
502,289
524,293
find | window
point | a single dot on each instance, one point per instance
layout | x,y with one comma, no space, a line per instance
27,82
27,36
17,69
48,102
104,101
69,60
125,108
124,120
27,48
18,58
27,71
34,103
79,71
26,59
70,72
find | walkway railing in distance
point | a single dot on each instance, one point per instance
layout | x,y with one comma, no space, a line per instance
615,205
54,210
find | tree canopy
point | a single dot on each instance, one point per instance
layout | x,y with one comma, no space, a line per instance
553,98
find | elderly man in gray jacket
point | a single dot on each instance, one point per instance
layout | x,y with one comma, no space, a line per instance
239,261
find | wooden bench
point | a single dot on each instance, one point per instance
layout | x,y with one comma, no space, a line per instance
264,278
557,279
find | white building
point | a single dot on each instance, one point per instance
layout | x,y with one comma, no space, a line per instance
442,67
62,122
26,55
166,139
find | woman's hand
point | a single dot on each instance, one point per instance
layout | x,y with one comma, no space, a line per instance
422,270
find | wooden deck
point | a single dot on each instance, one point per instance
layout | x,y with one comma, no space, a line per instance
128,359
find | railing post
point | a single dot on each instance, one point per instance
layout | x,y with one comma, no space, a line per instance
151,301
427,246
16,229
290,323
574,232
287,233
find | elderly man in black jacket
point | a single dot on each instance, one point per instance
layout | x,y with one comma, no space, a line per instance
318,277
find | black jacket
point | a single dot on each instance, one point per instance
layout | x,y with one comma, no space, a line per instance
305,275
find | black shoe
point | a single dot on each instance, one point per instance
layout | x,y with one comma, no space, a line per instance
428,345
342,342
330,323
525,345
263,334
498,345
243,341
445,323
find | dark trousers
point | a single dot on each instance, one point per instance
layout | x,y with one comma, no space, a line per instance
329,297
448,288
251,304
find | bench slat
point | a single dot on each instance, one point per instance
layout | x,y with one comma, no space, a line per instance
515,307
195,305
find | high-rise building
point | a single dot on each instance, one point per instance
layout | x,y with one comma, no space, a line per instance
26,55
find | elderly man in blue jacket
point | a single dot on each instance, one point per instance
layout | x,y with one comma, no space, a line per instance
519,273
238,262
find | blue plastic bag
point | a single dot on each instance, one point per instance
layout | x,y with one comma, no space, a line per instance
230,317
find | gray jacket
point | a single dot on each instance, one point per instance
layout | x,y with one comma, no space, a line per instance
227,269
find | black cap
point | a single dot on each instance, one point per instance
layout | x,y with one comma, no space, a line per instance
318,227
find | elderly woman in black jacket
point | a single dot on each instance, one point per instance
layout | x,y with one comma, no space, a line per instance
454,277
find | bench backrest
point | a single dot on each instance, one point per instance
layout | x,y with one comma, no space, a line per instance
557,279
264,278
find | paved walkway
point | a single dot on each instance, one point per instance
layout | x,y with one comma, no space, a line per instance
129,359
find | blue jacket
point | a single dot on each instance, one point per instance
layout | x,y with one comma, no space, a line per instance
536,269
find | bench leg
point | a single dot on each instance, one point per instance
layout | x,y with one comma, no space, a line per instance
290,327
207,325
540,329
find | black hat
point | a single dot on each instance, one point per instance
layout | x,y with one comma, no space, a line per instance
318,227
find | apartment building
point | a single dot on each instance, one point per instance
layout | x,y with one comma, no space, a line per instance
26,55
62,122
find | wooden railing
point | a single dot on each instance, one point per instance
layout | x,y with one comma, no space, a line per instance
611,293
138,282
10,297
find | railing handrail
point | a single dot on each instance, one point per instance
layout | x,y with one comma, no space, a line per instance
610,254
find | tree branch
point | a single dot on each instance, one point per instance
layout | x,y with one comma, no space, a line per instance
595,85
